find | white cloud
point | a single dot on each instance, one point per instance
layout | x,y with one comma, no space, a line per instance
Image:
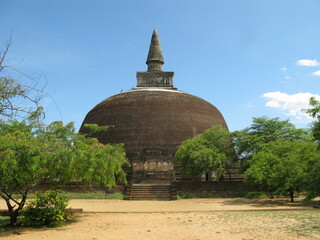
317,73
291,105
308,63
283,69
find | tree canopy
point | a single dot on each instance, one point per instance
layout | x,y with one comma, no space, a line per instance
314,169
282,166
313,178
32,153
264,130
206,152
314,112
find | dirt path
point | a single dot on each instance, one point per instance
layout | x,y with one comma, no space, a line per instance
178,220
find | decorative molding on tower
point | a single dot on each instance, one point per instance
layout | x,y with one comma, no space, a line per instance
155,77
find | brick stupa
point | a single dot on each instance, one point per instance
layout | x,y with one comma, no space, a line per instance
152,120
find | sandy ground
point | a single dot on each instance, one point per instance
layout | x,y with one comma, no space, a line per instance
183,205
234,219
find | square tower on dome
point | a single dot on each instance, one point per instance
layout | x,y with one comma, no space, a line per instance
155,77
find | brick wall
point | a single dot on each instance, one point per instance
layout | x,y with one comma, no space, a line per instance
214,188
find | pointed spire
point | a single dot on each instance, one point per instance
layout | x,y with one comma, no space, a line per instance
155,58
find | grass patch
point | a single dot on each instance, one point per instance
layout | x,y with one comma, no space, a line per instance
82,195
186,195
244,194
92,195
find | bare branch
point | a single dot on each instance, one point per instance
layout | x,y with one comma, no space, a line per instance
4,52
16,99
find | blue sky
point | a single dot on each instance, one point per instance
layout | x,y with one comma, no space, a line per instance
249,58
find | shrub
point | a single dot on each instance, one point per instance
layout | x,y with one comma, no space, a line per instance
256,195
185,195
47,209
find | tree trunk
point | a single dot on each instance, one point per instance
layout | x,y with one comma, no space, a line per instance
229,173
13,217
12,212
291,192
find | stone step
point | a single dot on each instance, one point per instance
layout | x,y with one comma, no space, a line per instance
150,192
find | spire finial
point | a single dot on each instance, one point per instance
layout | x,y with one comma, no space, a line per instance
155,58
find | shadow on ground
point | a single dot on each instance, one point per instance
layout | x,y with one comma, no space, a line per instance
283,202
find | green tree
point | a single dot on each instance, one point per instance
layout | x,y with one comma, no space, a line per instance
314,168
314,112
313,178
264,130
206,152
32,153
282,166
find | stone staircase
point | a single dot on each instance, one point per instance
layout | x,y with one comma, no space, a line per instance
164,192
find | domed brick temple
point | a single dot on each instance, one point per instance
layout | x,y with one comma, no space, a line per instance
152,120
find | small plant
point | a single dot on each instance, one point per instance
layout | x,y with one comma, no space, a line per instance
256,195
185,195
47,209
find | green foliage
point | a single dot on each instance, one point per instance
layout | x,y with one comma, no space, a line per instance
206,152
31,153
282,166
48,209
17,100
9,89
264,130
313,178
256,195
314,112
279,157
186,195
95,128
314,167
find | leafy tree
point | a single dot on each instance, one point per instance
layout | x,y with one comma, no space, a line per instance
282,165
32,153
313,178
314,112
206,152
264,130
314,170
